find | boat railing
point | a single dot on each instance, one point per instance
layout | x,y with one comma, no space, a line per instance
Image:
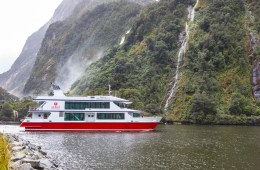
35,108
147,118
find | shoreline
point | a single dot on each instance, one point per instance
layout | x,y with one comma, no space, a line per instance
219,119
9,123
25,155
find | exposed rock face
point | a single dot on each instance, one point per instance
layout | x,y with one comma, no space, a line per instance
70,46
16,77
5,96
256,78
254,42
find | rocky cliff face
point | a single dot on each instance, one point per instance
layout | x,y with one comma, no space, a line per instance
70,46
5,96
254,49
14,79
215,79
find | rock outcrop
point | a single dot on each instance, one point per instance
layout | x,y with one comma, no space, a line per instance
27,156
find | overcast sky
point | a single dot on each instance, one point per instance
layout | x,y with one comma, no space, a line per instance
19,19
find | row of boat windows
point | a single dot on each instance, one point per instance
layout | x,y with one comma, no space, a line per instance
110,116
87,105
81,116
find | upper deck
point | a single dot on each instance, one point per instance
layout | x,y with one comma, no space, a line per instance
61,103
80,99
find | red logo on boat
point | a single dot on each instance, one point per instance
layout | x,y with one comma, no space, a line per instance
55,105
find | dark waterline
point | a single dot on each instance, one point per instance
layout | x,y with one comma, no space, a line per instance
169,147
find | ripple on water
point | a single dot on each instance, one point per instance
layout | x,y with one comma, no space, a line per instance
178,147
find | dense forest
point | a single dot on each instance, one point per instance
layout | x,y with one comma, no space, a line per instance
219,80
215,84
140,69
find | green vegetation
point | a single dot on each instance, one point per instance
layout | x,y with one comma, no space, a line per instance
142,68
10,104
254,25
79,40
4,153
7,110
215,86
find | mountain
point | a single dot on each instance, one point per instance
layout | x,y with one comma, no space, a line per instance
145,63
195,61
14,79
5,96
69,46
200,70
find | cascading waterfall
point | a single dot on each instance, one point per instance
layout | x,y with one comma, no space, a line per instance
193,11
184,38
123,38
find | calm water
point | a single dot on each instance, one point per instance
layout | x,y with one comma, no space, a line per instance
169,147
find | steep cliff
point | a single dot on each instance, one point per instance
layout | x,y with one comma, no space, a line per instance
70,46
215,82
14,79
5,96
141,68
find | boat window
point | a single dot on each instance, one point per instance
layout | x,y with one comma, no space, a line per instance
121,105
110,116
40,103
86,105
136,115
29,115
74,116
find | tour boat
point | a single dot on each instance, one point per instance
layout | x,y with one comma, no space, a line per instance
91,113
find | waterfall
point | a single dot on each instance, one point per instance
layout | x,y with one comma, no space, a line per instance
183,38
193,11
123,38
179,62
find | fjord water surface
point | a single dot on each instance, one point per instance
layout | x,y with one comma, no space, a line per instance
169,147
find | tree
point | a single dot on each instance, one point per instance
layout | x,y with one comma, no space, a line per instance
6,112
201,105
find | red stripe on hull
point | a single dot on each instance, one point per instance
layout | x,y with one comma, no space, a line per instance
89,126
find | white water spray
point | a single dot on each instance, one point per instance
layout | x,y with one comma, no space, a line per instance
192,15
123,38
184,38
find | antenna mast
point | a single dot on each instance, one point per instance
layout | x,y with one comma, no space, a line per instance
109,90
